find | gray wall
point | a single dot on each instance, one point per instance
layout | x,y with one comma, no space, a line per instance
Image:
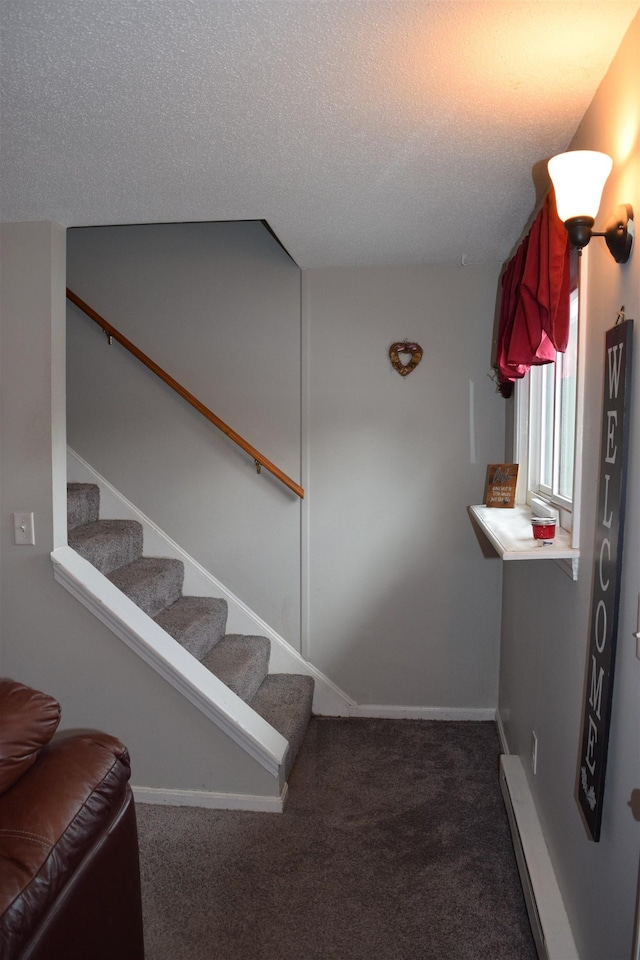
218,307
403,608
546,615
48,640
400,607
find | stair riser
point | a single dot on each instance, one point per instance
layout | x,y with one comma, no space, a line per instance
201,636
242,663
155,588
114,544
284,701
83,504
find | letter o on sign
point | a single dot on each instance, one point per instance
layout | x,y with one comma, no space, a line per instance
600,623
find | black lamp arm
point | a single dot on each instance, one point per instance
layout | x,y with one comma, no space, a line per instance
618,232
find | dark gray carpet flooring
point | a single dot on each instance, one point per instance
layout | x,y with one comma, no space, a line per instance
394,845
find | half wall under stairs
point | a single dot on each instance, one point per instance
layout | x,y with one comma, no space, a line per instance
228,676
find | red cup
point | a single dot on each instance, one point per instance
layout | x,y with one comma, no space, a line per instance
544,529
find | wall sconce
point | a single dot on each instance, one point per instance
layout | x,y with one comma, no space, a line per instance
579,178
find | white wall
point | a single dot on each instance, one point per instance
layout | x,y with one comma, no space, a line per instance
218,307
546,615
403,608
47,639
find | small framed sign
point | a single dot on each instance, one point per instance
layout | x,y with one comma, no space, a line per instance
500,487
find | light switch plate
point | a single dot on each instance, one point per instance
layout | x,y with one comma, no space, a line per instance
23,529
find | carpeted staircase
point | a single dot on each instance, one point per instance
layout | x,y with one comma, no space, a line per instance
154,584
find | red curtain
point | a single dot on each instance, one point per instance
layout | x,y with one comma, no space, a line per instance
534,312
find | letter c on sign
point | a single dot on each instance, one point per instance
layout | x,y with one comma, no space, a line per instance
604,586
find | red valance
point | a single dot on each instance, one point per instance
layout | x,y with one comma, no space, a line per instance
534,311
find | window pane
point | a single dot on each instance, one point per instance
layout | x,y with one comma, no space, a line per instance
546,373
567,397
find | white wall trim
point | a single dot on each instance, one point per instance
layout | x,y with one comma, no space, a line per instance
328,699
504,745
58,384
186,674
547,912
209,800
390,712
305,466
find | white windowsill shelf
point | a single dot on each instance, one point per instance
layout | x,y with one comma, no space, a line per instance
509,531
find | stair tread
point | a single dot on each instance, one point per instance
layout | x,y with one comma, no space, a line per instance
153,583
241,662
197,623
284,700
107,544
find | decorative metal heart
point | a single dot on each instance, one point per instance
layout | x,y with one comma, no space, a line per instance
403,346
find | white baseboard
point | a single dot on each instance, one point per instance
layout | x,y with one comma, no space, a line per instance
547,912
391,712
209,800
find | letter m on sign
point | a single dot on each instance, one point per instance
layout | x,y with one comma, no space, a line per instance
595,688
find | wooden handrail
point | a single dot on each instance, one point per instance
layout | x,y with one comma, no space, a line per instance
112,333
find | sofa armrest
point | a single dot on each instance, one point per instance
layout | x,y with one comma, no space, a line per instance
28,720
49,819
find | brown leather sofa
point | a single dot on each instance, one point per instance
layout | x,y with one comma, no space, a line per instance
69,867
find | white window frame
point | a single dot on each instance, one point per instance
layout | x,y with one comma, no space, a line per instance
527,432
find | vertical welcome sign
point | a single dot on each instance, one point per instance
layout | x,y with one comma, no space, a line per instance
606,575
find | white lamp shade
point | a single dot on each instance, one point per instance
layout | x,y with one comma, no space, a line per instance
578,178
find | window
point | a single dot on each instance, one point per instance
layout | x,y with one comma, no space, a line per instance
548,416
552,406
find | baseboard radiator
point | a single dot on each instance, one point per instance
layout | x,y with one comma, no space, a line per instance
547,913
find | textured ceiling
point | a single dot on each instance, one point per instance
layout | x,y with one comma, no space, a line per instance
363,132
